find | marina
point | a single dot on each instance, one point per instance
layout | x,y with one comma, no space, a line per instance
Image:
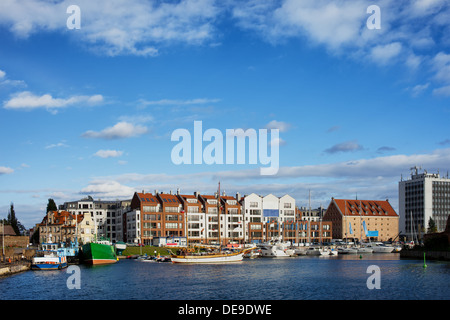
340,277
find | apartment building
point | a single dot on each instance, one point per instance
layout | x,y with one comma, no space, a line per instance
195,218
231,220
62,226
107,215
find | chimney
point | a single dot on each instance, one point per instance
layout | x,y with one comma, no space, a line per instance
196,193
238,196
178,191
156,192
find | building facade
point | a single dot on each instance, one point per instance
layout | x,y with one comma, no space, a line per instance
107,215
62,226
356,220
423,196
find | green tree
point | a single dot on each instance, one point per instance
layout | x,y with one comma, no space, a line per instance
12,220
432,228
51,206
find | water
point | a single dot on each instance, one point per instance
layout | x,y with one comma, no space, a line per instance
301,278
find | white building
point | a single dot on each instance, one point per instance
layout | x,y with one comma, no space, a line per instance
133,226
107,215
423,196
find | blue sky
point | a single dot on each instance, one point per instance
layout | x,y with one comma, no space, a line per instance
91,111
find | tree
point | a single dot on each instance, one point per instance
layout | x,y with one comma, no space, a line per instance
51,206
432,228
12,220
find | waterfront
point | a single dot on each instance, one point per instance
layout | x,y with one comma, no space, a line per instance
301,278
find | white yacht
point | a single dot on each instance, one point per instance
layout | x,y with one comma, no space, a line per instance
347,250
364,249
379,247
274,249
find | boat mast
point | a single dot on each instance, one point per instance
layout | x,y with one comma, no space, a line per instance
309,224
218,216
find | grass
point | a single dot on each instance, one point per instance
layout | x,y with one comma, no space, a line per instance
149,250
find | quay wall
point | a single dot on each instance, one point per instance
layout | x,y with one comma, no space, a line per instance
9,269
431,255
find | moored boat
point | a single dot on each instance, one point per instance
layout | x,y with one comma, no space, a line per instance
347,250
99,253
210,257
275,249
380,248
120,247
49,258
363,249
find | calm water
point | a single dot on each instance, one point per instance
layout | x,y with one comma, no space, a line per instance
342,277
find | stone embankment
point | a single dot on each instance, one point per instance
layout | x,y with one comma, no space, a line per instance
429,255
7,269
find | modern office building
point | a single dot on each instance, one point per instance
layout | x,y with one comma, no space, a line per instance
421,197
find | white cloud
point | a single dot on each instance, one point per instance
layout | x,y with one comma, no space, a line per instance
383,54
118,131
280,125
27,101
276,142
108,189
2,74
441,64
6,170
442,91
108,153
419,89
56,145
166,102
116,27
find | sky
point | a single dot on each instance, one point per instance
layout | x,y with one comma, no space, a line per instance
90,109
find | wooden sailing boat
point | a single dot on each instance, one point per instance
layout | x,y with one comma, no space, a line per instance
214,257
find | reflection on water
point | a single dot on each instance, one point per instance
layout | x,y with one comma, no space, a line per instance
340,277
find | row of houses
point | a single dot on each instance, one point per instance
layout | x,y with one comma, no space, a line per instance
219,218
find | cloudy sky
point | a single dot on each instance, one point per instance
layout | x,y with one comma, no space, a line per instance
91,111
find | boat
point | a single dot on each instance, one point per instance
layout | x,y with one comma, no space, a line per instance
253,254
120,247
99,252
51,257
380,247
347,250
364,249
274,249
314,251
333,252
219,257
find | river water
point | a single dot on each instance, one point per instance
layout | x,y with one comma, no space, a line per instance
344,277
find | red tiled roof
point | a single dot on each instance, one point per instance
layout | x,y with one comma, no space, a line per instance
351,207
147,197
169,199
